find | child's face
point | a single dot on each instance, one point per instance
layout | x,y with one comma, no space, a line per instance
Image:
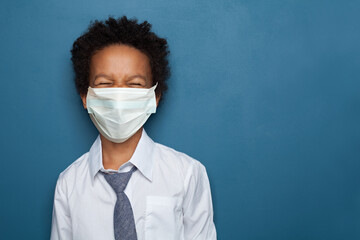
119,66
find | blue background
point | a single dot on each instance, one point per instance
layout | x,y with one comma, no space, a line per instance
264,93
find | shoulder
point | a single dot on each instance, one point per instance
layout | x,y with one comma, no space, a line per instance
79,163
187,165
67,178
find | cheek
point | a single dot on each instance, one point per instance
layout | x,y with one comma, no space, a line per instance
83,100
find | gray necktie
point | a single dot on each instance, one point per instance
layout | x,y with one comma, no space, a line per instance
124,224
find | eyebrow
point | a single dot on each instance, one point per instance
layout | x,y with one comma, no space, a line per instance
101,75
129,78
137,76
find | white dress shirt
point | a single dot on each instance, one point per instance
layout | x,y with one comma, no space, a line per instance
169,194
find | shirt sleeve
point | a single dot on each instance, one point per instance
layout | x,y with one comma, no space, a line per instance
61,220
197,205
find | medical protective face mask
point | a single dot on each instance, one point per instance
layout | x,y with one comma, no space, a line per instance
118,113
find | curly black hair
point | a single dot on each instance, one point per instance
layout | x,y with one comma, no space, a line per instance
101,34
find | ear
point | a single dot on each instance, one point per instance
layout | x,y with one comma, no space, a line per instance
83,99
158,99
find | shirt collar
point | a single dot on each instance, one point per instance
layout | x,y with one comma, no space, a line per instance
142,157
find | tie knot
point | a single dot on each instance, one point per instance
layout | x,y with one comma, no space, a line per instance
119,181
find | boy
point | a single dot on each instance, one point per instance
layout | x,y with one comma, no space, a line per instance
127,186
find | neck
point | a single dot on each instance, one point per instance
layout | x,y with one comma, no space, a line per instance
116,154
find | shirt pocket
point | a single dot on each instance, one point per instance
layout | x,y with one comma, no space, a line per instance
163,218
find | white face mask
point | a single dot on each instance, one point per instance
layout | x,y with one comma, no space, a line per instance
118,113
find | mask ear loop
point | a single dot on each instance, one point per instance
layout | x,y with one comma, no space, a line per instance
155,85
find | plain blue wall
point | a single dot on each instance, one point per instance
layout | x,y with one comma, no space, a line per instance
264,93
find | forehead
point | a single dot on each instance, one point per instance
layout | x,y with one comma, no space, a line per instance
120,60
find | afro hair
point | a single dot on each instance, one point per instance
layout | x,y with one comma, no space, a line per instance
101,34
